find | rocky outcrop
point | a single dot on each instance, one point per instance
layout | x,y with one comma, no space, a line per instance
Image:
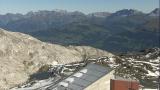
22,55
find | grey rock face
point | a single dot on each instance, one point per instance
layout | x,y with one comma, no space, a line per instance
22,55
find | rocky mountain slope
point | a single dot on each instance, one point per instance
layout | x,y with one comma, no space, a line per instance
22,55
122,31
142,66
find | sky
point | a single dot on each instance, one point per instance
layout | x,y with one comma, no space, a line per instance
85,6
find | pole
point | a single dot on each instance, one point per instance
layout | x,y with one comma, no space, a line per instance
159,78
131,76
159,44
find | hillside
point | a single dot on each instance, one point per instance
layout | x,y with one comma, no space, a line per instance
22,55
23,58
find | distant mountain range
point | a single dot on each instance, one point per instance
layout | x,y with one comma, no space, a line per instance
122,31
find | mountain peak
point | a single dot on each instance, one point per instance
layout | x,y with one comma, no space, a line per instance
53,12
46,12
155,12
127,12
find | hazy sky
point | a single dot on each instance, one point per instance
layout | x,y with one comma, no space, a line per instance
86,6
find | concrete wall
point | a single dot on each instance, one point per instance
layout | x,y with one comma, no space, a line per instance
102,84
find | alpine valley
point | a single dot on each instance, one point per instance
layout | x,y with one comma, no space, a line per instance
122,31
